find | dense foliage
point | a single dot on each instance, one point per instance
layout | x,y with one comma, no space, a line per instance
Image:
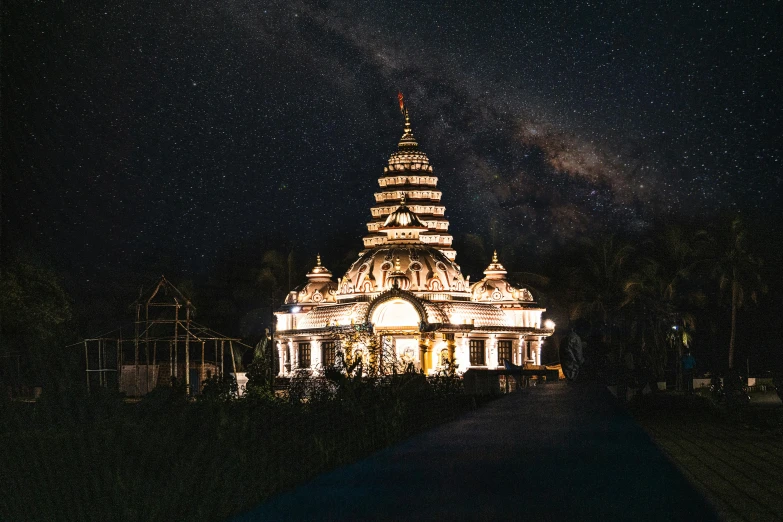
169,458
676,287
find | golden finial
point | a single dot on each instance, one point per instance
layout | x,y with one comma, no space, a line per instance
402,199
407,121
495,257
318,259
397,264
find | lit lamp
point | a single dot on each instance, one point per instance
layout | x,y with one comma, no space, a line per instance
549,324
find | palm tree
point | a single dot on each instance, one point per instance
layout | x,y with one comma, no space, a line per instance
738,270
599,281
659,298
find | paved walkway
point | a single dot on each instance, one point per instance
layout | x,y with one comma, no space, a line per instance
554,453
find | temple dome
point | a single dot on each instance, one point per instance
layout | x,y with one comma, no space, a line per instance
426,268
403,217
496,288
397,278
320,288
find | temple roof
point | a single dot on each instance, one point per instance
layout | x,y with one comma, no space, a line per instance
427,268
334,315
476,314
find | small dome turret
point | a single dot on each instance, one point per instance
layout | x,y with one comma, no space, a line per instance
397,278
403,225
319,287
319,272
403,217
495,270
496,288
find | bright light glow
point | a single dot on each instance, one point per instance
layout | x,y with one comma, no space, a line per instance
296,309
549,324
397,312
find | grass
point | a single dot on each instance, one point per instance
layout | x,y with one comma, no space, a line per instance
164,458
734,456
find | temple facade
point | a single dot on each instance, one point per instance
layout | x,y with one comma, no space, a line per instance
406,294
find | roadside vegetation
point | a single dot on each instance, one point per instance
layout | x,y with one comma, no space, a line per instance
69,456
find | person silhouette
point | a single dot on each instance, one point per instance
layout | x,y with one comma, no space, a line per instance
688,364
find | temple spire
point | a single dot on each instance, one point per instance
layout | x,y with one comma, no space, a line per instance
319,272
407,140
495,270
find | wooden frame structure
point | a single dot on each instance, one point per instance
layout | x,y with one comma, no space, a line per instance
164,319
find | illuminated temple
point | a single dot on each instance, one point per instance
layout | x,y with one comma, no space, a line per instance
406,289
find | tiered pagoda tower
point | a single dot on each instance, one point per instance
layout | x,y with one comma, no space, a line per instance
406,288
409,175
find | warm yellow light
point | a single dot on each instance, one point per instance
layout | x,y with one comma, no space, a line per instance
549,324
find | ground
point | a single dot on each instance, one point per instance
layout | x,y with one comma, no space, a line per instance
552,452
734,458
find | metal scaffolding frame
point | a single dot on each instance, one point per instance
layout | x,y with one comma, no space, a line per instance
163,317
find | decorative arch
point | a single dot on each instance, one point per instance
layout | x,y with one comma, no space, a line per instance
397,294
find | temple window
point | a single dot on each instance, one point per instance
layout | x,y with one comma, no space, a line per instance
328,354
477,352
304,355
504,351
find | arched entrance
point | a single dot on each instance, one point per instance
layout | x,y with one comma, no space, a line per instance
394,314
398,317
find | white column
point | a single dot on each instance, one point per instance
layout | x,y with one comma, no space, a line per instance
281,352
539,342
462,354
315,354
294,355
492,356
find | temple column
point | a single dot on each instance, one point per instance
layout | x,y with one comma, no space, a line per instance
423,349
315,354
537,355
463,354
294,355
492,356
281,349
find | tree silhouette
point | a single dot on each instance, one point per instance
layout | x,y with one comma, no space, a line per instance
737,271
599,279
660,298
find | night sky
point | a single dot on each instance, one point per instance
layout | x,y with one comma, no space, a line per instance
135,128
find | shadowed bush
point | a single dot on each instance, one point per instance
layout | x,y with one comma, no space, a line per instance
167,457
